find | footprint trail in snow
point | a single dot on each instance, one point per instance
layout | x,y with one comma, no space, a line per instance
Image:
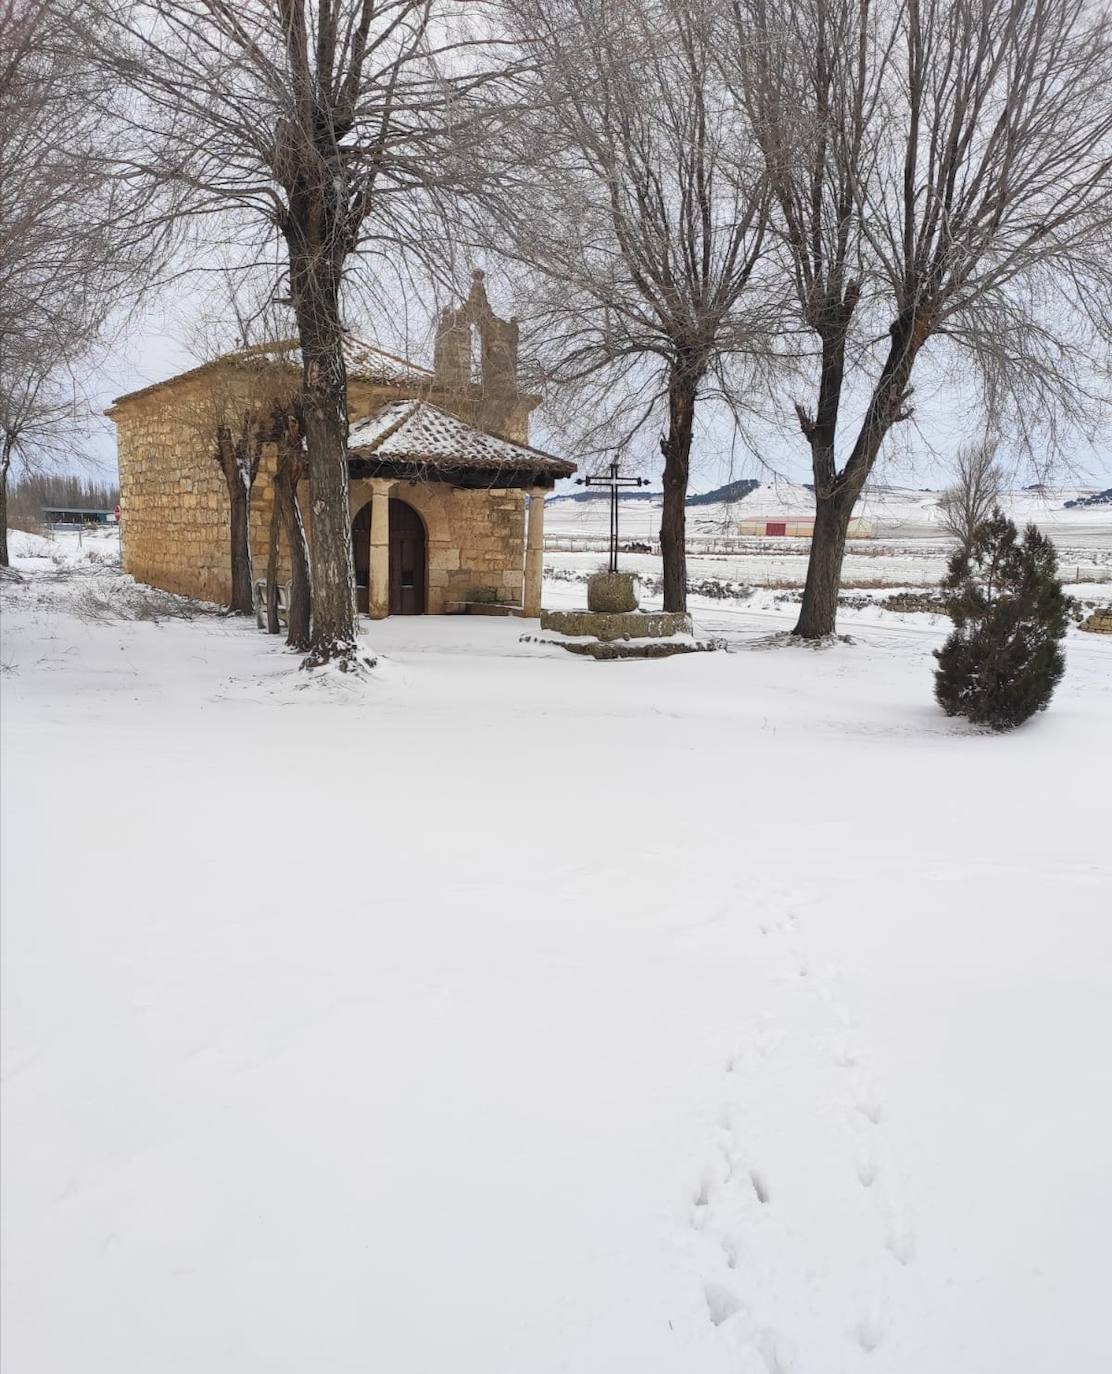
801,1227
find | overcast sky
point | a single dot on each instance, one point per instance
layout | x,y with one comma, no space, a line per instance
915,455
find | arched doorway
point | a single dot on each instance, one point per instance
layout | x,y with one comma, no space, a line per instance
361,555
407,559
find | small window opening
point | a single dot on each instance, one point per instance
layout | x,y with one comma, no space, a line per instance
476,346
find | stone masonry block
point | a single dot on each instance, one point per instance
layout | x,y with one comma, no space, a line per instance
617,624
612,592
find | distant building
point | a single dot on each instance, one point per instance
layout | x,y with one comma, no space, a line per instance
797,526
65,517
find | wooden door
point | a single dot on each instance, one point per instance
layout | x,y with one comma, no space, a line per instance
776,527
361,556
407,560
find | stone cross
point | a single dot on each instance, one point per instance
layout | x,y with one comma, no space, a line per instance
615,481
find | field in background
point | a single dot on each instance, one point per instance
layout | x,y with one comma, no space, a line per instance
908,548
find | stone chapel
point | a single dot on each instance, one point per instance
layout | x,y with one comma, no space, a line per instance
446,493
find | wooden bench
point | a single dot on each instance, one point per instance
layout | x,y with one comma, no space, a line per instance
283,590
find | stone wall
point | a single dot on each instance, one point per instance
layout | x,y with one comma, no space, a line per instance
174,505
173,499
475,540
490,528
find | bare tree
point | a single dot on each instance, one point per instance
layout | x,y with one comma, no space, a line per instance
332,123
279,423
289,471
40,426
641,220
242,337
238,453
30,494
975,491
68,255
242,402
942,179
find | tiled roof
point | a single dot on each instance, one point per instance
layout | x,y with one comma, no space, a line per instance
415,432
365,363
369,363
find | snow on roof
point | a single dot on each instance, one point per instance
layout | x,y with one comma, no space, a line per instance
365,362
420,433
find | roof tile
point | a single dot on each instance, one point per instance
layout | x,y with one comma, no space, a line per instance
419,433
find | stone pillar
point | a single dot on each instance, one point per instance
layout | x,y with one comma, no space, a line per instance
378,592
534,554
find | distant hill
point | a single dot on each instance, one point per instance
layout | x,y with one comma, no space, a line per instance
605,496
894,512
1099,498
732,491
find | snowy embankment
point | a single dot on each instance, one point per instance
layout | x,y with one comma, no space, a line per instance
732,1014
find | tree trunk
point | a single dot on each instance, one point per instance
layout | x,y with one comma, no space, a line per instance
273,625
243,601
835,497
824,566
676,449
229,461
323,414
286,477
4,560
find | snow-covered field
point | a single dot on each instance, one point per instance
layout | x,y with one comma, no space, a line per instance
511,1012
892,512
907,546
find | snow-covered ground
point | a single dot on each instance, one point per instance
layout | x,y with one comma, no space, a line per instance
888,566
730,1014
893,512
907,546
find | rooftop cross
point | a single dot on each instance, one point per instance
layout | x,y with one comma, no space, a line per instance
615,481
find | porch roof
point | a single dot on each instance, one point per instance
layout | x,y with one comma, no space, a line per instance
417,439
